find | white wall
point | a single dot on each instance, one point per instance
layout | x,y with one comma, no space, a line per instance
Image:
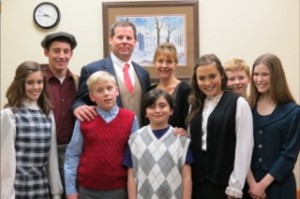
228,28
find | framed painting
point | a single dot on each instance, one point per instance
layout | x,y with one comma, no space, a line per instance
158,22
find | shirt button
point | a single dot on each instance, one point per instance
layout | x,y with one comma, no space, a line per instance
260,146
260,131
260,159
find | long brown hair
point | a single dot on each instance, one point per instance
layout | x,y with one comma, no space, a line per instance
279,90
15,93
197,96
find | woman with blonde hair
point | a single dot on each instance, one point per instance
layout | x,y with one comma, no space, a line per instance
165,62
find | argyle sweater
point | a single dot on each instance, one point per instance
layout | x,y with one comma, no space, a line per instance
100,166
157,163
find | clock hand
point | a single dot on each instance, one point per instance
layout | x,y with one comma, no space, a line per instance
47,15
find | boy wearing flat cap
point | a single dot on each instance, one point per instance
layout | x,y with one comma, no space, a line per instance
62,86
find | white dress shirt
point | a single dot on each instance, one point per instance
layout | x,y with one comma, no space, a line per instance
118,66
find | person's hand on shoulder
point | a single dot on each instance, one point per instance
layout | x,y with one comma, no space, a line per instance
85,113
181,132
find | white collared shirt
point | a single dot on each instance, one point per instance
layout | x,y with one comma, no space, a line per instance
118,66
209,105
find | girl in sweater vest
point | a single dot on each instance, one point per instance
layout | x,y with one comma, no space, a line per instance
221,132
158,160
29,165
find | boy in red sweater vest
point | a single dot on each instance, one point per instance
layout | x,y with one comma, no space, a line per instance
94,156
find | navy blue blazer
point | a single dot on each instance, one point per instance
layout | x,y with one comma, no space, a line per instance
106,64
276,141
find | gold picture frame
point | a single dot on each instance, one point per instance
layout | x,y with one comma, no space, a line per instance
181,17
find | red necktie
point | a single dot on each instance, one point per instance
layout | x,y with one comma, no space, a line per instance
127,79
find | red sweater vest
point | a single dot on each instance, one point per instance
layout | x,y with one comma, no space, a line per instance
100,166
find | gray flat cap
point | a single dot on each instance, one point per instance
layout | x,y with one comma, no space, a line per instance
59,36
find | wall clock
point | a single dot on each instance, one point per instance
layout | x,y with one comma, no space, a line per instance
46,15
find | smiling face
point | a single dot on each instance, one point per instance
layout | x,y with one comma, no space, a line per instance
238,81
165,61
34,84
262,78
123,42
104,94
59,55
165,66
209,80
158,113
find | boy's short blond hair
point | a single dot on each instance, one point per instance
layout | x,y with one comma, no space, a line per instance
237,64
100,76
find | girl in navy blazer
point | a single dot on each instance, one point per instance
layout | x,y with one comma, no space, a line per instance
276,119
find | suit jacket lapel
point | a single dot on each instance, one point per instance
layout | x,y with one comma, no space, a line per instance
109,67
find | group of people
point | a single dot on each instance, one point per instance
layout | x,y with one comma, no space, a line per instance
111,134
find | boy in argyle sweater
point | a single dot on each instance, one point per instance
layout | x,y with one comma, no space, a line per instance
96,151
158,160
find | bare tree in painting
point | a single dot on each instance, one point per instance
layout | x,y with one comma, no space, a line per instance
170,28
158,25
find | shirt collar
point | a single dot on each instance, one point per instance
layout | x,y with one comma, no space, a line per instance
50,75
30,104
215,98
111,113
118,62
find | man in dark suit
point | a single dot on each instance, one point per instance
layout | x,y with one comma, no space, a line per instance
122,39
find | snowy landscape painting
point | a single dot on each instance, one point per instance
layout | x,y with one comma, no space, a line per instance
154,30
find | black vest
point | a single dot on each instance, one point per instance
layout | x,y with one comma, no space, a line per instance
221,141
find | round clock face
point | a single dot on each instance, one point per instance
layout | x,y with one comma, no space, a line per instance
46,15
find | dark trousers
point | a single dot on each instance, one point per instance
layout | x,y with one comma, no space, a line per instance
93,194
61,151
207,190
